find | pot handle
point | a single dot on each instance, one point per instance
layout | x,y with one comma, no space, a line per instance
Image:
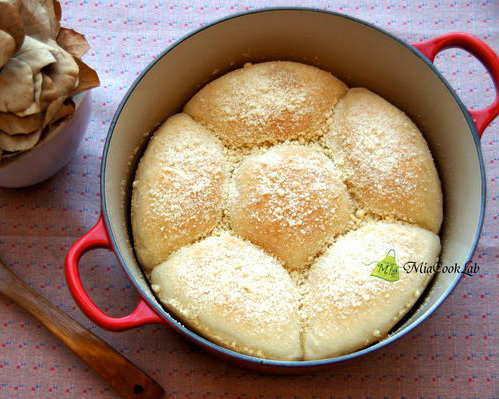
483,53
97,237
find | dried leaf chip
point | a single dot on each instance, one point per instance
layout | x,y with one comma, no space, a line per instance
19,142
7,47
65,110
57,10
49,91
39,18
16,86
52,110
64,72
36,54
87,78
19,86
53,10
13,124
73,42
34,107
11,22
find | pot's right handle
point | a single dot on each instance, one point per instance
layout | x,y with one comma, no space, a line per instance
97,237
485,55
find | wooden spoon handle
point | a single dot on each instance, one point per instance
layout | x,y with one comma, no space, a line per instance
125,378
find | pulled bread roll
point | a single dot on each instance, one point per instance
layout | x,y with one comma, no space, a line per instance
276,218
178,190
346,307
268,102
386,160
233,293
289,200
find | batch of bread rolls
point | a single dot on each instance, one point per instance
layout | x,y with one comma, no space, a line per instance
261,210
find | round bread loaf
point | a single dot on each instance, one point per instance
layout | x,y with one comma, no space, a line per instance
348,308
290,201
268,102
233,293
178,190
386,160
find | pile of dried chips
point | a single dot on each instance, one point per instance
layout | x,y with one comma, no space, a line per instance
40,70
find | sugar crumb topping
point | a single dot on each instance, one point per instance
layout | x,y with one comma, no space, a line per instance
293,192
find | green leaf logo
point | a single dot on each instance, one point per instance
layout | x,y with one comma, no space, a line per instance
387,269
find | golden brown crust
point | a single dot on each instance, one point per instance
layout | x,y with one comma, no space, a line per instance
268,102
290,201
386,160
178,189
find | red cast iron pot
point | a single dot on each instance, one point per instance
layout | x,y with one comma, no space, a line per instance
358,53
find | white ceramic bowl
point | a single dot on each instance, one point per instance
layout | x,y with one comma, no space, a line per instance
50,155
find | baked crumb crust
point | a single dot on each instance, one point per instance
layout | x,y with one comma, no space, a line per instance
279,166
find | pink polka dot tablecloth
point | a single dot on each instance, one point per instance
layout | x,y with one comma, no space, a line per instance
454,354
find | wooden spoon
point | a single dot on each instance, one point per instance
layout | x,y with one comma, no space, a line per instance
125,378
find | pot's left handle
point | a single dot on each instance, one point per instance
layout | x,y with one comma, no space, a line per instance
430,48
97,237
